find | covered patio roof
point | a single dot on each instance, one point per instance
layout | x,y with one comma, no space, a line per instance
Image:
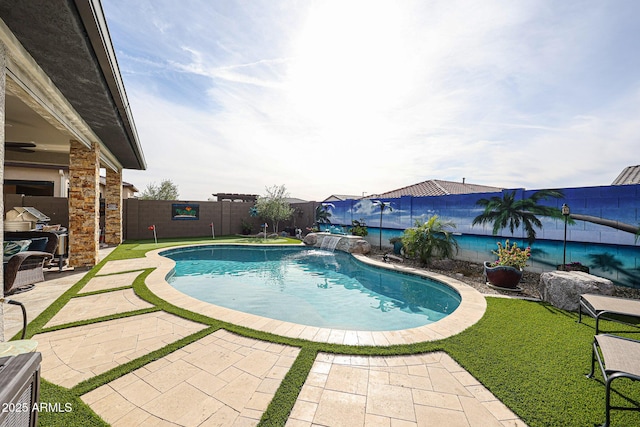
66,86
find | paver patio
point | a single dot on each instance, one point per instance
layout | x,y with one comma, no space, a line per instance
222,379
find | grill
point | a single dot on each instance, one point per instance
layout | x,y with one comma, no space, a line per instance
24,218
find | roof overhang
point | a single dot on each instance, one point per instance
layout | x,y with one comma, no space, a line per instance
69,41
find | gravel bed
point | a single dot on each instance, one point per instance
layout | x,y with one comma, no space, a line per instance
472,274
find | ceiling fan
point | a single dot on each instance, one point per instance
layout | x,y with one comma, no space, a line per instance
20,147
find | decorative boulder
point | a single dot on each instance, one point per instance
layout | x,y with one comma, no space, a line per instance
562,289
310,239
361,247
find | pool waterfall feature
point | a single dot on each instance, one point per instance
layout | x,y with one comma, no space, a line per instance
339,242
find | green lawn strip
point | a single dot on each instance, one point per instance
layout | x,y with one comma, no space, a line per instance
58,400
138,248
118,272
117,372
107,318
282,403
534,358
101,291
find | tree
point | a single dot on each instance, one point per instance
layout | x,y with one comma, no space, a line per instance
383,206
323,215
506,211
433,239
167,190
273,205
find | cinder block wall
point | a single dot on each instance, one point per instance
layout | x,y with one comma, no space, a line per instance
138,215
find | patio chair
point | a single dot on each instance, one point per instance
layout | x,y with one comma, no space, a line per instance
12,348
25,268
618,357
609,308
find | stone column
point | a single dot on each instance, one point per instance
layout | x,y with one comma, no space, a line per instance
3,87
113,208
84,204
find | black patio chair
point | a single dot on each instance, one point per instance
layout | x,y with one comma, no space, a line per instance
618,357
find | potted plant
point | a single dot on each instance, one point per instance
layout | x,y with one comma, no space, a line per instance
397,244
506,271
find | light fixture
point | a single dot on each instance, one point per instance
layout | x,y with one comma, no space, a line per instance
565,213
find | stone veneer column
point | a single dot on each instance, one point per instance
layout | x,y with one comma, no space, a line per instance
3,86
84,204
113,208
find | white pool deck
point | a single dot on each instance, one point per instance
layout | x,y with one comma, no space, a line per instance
228,380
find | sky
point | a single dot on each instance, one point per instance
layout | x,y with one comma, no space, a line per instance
362,97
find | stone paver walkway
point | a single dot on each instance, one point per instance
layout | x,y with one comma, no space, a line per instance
75,354
225,379
222,379
419,390
94,306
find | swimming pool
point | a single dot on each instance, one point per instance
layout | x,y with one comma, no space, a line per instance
309,287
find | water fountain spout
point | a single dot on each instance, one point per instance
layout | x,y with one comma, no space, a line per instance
330,242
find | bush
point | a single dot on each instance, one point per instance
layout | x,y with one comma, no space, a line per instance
358,228
431,240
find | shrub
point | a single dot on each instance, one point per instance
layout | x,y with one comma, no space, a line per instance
430,240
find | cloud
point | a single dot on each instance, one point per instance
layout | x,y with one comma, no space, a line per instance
346,97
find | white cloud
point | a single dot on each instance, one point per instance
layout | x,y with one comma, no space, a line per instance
345,97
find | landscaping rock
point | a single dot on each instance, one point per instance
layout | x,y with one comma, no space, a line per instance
562,289
360,247
443,264
310,239
345,243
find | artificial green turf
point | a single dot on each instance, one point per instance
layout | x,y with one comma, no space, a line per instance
531,356
534,358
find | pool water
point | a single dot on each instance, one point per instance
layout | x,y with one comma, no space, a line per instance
309,287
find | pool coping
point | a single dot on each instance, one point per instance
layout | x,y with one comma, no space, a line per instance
471,309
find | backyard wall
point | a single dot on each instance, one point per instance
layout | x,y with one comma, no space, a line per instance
609,252
226,217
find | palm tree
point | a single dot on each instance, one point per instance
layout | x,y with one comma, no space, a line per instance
323,214
507,211
383,206
433,239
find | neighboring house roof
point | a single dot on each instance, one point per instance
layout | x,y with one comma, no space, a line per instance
340,197
103,181
437,187
630,175
293,200
69,41
236,196
130,186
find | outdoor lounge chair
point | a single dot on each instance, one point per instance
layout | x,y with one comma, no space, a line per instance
609,308
618,357
25,268
12,348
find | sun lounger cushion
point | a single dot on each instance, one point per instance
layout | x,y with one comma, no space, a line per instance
620,359
610,308
13,247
